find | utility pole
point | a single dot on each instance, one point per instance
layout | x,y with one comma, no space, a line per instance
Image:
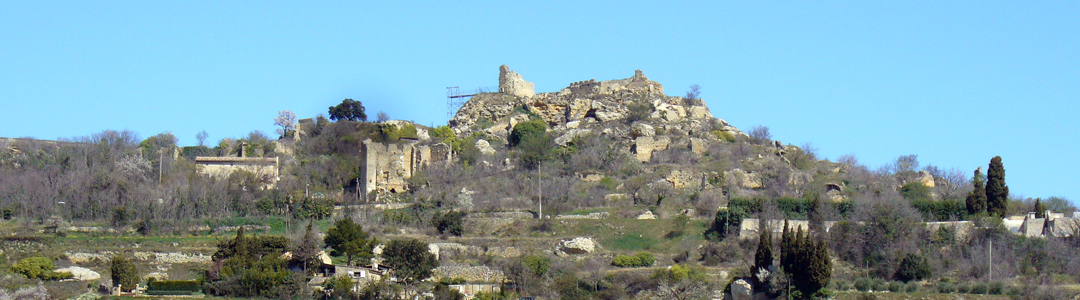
161,161
540,190
991,260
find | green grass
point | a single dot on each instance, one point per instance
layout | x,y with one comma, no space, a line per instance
585,211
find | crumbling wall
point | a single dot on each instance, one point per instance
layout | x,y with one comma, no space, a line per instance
512,83
388,167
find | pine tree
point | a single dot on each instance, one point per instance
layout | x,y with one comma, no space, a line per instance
976,199
997,193
819,267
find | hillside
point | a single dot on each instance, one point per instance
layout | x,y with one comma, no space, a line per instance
601,190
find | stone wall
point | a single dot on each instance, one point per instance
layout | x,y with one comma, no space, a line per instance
388,167
266,169
512,83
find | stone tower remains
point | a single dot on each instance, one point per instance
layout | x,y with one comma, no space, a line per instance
511,83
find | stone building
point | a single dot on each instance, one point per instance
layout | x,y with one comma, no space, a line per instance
266,169
388,167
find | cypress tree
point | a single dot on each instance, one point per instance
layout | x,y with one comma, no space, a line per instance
786,244
997,193
976,199
819,267
763,258
1040,209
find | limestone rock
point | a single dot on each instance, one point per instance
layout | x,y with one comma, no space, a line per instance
81,274
569,136
511,83
699,146
741,290
578,245
609,199
647,215
926,179
746,180
642,129
484,147
644,146
679,179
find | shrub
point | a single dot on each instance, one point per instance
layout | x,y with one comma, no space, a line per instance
450,222
641,259
996,288
51,275
912,267
978,288
946,287
896,287
880,284
915,190
191,286
723,135
726,220
911,287
33,267
863,284
963,288
639,110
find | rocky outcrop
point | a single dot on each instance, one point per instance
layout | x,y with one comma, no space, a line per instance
743,179
926,179
583,103
484,147
578,245
741,290
647,215
80,273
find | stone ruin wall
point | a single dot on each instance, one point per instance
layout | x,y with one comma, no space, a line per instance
388,167
512,83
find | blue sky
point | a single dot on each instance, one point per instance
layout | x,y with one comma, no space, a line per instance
955,82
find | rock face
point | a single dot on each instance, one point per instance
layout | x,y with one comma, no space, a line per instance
511,83
647,215
81,274
484,147
926,179
578,245
585,104
741,290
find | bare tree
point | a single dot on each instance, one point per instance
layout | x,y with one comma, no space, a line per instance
760,134
382,117
201,137
286,120
951,184
693,94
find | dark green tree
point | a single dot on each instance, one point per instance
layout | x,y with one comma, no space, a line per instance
450,222
349,109
349,239
997,193
526,130
976,199
124,273
912,267
763,258
1040,208
726,221
532,141
787,243
819,267
409,260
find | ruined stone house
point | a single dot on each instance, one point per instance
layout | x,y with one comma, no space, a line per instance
388,167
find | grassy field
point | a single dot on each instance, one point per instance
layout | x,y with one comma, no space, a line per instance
915,296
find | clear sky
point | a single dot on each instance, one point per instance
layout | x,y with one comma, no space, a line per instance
955,82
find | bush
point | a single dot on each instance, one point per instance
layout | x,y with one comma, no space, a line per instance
912,267
641,259
996,288
946,287
33,267
639,110
723,135
963,288
726,220
190,286
863,284
450,222
978,288
896,287
51,275
911,287
881,284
